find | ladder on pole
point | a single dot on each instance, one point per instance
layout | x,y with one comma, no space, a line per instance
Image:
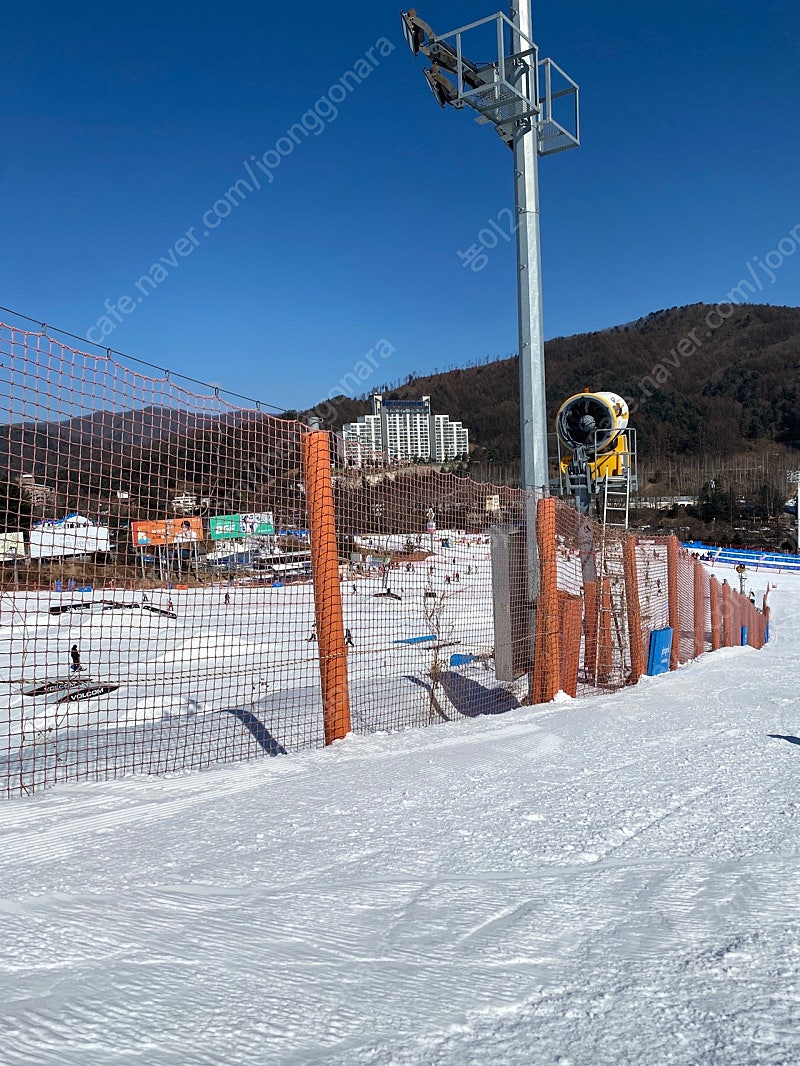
616,500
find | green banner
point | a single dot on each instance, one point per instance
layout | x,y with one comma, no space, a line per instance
237,526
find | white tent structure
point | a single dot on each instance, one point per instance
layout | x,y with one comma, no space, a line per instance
72,535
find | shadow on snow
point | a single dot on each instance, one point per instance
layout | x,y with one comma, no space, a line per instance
470,698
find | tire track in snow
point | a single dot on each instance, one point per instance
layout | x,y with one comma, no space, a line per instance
58,840
558,913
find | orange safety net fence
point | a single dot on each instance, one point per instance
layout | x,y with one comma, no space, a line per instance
629,587
416,581
155,593
186,581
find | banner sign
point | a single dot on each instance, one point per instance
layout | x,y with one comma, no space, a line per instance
12,546
236,526
179,531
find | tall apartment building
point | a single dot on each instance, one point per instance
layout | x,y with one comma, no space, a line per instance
404,429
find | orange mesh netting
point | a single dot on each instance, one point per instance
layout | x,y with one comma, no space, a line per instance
185,581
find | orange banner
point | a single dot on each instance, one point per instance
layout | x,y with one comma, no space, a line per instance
179,531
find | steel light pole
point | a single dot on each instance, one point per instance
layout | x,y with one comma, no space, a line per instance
530,312
533,105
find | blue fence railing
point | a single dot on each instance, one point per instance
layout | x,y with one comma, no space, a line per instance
753,560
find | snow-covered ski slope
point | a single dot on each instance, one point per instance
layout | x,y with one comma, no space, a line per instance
176,674
609,880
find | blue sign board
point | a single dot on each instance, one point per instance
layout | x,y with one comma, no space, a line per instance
660,649
458,659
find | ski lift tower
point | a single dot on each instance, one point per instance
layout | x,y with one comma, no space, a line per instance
533,105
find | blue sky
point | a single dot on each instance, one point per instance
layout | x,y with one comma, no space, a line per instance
123,126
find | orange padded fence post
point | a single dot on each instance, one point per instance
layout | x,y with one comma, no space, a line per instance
604,632
316,449
714,598
762,624
634,609
749,620
571,612
699,609
546,662
726,615
672,599
590,620
736,619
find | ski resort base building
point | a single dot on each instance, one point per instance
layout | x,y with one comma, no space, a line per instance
404,429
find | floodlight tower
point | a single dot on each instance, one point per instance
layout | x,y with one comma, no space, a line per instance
533,105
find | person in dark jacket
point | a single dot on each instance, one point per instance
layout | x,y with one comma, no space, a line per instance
75,656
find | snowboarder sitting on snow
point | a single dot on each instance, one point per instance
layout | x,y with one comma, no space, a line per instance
75,655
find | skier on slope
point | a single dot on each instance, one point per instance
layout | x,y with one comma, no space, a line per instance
75,656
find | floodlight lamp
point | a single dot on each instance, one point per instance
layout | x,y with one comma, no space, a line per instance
442,89
415,30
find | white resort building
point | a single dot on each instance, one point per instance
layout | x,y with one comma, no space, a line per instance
404,429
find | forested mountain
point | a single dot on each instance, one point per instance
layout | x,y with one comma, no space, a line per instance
697,382
149,454
705,390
